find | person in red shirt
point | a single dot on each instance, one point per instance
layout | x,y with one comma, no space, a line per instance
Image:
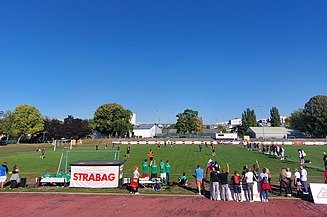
237,187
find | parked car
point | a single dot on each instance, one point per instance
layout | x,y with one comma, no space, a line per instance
11,141
3,142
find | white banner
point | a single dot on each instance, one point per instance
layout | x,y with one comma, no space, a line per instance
94,176
319,193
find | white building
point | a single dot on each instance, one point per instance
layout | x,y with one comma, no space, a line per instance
146,130
273,132
226,136
133,119
282,120
234,123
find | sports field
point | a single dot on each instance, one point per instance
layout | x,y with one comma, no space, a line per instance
183,158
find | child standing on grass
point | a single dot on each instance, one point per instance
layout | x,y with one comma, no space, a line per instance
236,178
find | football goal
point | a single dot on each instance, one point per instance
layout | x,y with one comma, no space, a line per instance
71,156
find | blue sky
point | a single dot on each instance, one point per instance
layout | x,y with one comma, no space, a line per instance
157,58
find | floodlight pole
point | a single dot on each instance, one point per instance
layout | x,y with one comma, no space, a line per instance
263,128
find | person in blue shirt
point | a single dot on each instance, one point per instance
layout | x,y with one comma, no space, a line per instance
3,174
199,178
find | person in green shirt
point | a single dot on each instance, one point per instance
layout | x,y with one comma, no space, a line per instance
59,175
46,175
167,166
182,180
154,169
68,176
145,169
163,172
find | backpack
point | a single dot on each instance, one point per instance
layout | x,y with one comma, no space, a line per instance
13,184
236,180
157,187
265,179
22,182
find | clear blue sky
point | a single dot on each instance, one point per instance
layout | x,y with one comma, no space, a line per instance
157,58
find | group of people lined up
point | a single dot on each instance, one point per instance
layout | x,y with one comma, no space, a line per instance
252,145
14,180
219,182
163,168
300,181
273,149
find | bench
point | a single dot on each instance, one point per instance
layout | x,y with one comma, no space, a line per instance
53,181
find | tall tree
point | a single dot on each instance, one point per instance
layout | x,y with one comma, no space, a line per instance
199,126
311,120
53,128
6,122
71,128
297,120
27,120
113,119
315,113
75,128
248,120
222,128
186,121
275,117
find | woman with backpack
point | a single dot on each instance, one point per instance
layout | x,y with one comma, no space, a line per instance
265,186
236,178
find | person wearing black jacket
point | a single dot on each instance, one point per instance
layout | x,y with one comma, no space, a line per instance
223,177
214,180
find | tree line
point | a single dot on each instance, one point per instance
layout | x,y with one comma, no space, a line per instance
113,120
311,120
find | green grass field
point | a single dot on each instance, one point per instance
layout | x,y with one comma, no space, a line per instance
182,158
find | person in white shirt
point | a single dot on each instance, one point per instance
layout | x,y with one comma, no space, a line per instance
297,182
136,173
304,179
282,153
289,178
249,183
135,182
301,155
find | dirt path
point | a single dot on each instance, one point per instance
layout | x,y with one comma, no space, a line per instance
35,204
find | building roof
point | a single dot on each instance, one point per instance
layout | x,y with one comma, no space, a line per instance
208,131
143,126
274,130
